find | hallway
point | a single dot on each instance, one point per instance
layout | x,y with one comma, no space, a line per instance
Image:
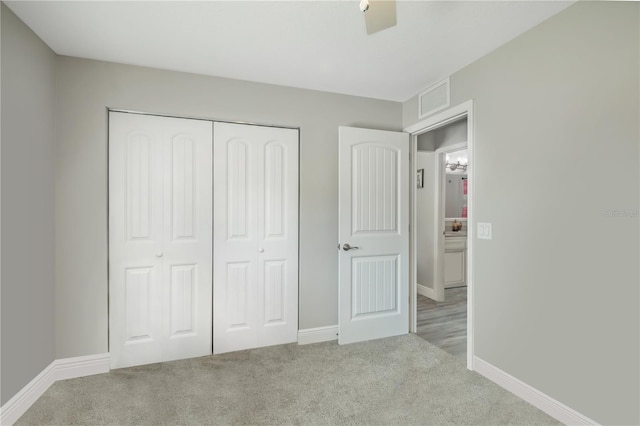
444,324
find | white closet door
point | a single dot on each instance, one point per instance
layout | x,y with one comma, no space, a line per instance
255,236
160,238
135,236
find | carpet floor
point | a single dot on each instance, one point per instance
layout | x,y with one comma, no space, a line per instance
394,381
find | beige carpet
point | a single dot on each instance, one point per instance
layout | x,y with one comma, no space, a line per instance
394,381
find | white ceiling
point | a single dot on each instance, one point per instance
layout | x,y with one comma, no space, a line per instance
319,45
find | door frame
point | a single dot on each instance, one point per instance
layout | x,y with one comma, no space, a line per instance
438,120
439,207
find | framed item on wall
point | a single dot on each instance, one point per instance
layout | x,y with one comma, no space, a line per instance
420,178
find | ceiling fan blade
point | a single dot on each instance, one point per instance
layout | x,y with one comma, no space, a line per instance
381,15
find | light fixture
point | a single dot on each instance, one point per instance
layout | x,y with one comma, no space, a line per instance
364,5
456,166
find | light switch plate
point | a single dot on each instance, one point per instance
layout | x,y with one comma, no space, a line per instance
484,231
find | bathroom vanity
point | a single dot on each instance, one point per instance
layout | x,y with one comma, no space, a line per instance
455,256
455,241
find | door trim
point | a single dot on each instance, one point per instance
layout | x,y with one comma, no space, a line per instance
438,120
202,118
438,226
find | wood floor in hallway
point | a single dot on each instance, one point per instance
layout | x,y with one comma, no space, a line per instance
444,324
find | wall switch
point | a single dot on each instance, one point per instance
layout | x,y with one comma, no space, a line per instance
484,231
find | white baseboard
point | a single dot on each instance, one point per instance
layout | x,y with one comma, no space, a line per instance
426,291
69,368
81,366
317,335
59,369
540,400
20,403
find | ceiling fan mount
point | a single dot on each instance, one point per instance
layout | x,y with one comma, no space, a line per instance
378,14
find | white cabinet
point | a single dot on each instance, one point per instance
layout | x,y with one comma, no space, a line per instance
455,262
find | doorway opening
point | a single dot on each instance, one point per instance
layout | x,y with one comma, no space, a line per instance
441,244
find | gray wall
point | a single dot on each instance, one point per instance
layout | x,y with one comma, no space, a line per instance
27,205
451,134
86,88
557,289
425,218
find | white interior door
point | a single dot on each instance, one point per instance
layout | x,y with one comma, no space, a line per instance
255,236
374,234
160,238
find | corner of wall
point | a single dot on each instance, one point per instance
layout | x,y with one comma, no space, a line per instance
27,204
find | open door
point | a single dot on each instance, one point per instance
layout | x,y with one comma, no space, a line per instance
373,233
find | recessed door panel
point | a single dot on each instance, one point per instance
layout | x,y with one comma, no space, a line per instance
274,291
238,178
138,186
375,189
183,187
139,295
374,285
237,291
183,299
275,190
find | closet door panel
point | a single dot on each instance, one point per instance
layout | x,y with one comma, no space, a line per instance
135,235
160,238
278,231
255,236
188,235
235,240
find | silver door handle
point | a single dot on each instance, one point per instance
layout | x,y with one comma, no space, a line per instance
159,254
347,247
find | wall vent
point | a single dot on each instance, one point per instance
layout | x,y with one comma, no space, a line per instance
434,99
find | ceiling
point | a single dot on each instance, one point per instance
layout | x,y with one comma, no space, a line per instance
320,45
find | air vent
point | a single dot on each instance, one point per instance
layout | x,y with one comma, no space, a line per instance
434,99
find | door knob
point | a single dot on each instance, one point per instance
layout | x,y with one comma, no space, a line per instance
261,250
347,247
159,254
